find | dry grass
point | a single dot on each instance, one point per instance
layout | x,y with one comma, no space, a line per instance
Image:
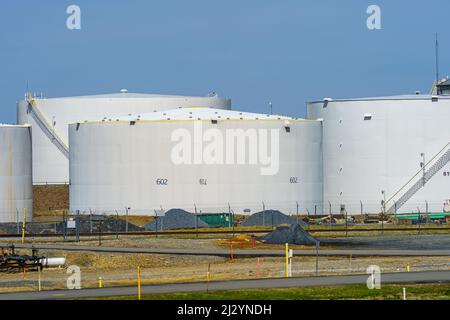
139,221
50,197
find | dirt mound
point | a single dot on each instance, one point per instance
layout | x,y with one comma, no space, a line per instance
293,234
176,219
270,218
50,197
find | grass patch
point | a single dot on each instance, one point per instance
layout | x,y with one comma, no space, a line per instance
354,292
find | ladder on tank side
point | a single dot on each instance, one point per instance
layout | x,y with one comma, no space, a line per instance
440,160
42,122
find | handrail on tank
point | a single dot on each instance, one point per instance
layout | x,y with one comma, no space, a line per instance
418,172
44,125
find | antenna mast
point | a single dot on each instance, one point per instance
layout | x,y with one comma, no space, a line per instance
437,59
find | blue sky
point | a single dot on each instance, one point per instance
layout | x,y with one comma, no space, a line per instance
253,51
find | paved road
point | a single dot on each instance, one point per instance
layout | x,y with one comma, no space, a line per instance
236,253
412,277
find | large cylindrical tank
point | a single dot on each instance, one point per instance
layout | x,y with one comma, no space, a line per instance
50,165
197,159
375,149
15,173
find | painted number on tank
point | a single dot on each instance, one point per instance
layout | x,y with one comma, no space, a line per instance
203,182
162,182
446,173
293,180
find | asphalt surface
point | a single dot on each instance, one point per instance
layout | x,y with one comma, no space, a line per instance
236,253
393,242
412,277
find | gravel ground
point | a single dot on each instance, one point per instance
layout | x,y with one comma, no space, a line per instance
406,242
87,222
121,269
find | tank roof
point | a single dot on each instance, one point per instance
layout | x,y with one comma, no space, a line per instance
129,95
196,113
384,98
8,125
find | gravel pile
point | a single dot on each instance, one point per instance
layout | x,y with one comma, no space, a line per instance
176,219
270,218
293,234
106,224
87,223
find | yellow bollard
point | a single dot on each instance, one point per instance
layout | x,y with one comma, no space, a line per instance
100,282
407,268
139,282
23,224
287,260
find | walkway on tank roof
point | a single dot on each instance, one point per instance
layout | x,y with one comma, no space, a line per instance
386,98
131,95
9,125
196,113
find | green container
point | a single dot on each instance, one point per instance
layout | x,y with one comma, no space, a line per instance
216,219
415,216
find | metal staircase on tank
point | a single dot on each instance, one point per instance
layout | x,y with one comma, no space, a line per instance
434,165
42,122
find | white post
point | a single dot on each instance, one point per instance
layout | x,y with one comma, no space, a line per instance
291,254
39,278
404,293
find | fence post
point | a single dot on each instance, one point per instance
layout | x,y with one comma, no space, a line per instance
100,232
196,221
156,223
229,215
330,212
346,223
117,225
23,224
317,257
78,223
264,214
90,221
54,218
64,225
126,219
18,222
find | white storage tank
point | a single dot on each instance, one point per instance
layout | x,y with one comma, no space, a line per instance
50,119
386,154
197,159
15,173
